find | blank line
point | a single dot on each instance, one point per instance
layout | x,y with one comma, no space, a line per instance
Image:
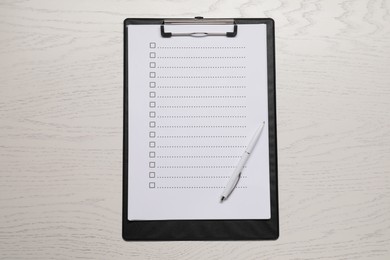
201,47
233,87
198,156
201,106
201,146
197,177
201,67
198,187
169,96
197,167
201,136
201,57
201,116
201,77
201,126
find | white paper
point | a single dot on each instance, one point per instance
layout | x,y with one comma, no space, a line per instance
194,104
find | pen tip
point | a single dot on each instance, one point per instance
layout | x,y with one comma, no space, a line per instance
222,198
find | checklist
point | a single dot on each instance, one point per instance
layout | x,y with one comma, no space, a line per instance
194,105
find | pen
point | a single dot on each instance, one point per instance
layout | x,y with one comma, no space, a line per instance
240,166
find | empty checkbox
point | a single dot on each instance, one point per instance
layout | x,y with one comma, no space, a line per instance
152,114
152,154
152,144
152,64
152,55
152,175
152,94
152,104
152,134
152,84
152,185
152,124
152,74
152,165
152,45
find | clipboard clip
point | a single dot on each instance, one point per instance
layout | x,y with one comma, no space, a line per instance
198,21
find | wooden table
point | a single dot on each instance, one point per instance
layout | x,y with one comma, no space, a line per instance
61,68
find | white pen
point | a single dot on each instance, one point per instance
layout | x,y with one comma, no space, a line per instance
240,166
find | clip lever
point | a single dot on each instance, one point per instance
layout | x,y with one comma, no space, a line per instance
198,21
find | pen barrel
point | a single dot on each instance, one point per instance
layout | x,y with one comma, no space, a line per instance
235,177
255,138
230,186
241,164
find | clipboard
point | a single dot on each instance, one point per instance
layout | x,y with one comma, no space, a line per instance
203,229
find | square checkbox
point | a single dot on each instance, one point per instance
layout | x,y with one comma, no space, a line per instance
152,175
152,185
152,55
152,104
152,84
152,114
152,94
152,165
152,74
152,64
152,45
152,134
152,144
152,124
152,154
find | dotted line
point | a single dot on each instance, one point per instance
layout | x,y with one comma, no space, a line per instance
201,67
201,57
202,47
197,187
197,167
200,146
201,106
197,177
226,87
201,136
201,126
201,77
199,156
168,96
201,116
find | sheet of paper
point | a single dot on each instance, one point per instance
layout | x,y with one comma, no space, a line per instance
194,104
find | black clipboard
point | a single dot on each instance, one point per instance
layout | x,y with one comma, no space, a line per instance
163,230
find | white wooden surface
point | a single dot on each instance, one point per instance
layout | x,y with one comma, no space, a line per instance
61,129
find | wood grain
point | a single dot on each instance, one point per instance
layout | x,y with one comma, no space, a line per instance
61,129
